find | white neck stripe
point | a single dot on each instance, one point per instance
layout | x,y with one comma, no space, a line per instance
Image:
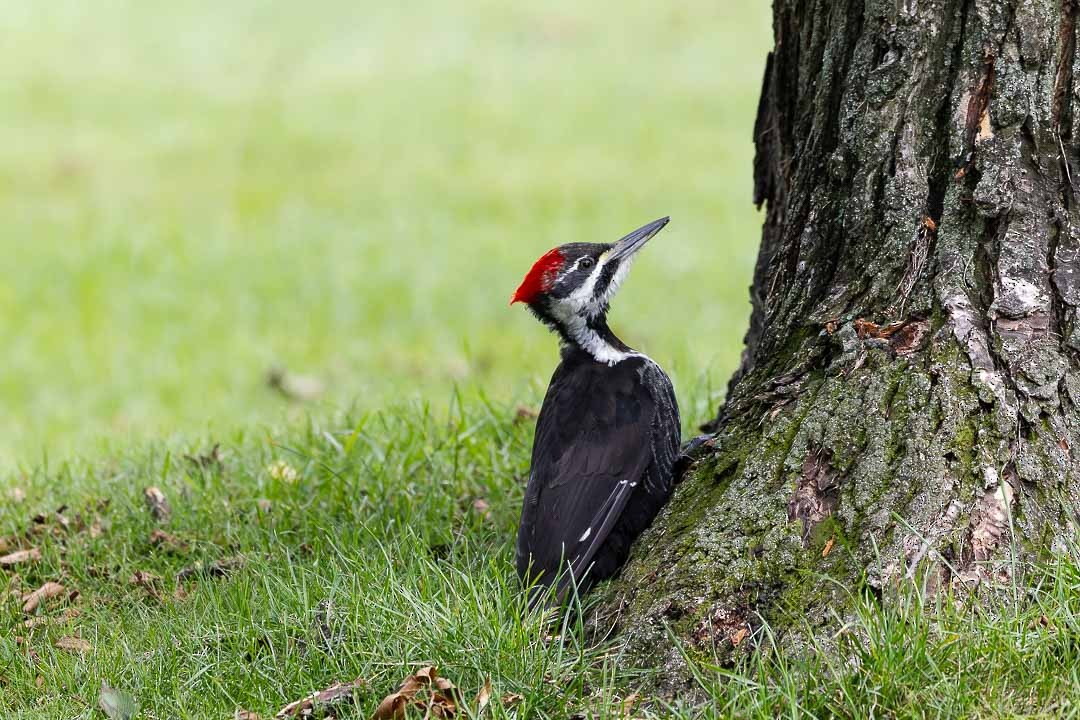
572,311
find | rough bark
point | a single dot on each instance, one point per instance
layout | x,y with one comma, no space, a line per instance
909,398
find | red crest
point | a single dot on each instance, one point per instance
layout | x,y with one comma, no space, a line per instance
540,277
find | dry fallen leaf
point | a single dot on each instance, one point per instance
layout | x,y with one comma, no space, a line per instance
434,696
337,694
1045,622
208,460
394,704
739,636
65,617
523,413
480,505
31,601
828,547
167,542
484,696
73,644
148,582
158,504
20,556
391,707
220,568
116,704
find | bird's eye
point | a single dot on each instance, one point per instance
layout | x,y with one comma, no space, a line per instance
586,262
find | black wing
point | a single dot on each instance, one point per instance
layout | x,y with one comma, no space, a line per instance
595,443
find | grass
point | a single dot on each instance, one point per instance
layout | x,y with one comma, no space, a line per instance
192,192
365,554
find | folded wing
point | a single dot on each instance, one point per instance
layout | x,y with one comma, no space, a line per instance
594,443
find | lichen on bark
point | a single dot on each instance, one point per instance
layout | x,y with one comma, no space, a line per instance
909,394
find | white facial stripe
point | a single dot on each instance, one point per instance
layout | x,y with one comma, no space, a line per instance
583,295
573,310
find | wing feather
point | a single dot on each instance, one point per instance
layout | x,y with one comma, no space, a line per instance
593,445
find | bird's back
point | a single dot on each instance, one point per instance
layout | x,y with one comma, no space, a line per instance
606,440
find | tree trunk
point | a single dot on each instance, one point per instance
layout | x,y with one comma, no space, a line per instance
909,395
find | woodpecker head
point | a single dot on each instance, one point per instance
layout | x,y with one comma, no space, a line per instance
570,287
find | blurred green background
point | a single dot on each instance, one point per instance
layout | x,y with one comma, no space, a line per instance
192,192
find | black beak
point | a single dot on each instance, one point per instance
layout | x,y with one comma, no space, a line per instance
637,239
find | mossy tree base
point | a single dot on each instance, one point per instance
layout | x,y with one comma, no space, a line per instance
909,399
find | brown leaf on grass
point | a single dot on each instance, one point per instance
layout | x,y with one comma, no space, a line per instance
1043,622
148,582
20,556
524,413
219,568
31,654
392,707
208,460
158,503
429,693
484,696
32,600
394,704
336,695
64,521
65,617
481,507
72,644
167,542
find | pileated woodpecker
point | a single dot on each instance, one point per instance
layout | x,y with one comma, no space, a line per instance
608,433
